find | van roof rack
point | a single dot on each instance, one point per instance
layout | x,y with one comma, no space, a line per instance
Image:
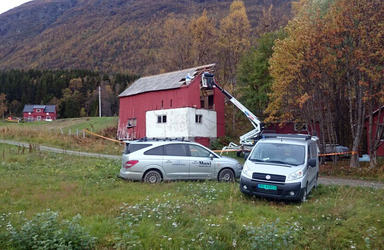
288,136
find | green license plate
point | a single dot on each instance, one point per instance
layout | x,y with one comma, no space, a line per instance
267,187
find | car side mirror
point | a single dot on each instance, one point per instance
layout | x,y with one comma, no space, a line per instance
211,156
312,162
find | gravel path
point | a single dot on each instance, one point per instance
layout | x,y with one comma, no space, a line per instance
349,182
322,180
62,151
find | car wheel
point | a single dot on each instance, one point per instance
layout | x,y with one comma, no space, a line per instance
304,194
152,177
226,175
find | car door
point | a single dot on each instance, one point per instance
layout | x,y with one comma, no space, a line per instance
176,161
201,166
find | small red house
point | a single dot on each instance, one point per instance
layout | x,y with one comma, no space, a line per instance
172,105
378,123
39,113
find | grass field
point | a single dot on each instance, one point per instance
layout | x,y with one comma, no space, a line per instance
66,133
40,193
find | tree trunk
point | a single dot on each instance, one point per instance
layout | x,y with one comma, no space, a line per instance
371,139
358,122
378,134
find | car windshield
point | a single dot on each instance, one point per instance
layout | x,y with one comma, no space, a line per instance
279,153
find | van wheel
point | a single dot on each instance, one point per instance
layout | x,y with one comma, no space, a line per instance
304,193
226,175
152,177
316,181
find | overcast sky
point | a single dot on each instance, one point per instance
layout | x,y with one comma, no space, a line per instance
10,4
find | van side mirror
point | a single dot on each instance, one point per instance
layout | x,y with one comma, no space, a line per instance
312,162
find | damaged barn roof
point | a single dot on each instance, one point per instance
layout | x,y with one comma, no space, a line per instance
171,80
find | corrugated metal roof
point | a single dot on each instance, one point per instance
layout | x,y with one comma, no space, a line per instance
171,80
39,106
28,108
47,108
50,108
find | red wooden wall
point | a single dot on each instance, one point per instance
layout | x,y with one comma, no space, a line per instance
380,151
135,106
42,114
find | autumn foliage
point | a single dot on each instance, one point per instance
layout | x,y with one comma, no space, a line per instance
329,69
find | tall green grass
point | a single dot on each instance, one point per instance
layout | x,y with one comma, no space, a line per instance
185,214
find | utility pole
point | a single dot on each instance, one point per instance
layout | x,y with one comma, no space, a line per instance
99,101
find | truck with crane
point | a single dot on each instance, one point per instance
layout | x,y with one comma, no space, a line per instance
248,140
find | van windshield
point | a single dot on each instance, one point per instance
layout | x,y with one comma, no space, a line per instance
289,154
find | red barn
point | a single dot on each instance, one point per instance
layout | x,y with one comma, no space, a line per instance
172,105
39,112
291,128
378,123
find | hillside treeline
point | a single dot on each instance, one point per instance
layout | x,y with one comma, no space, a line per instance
114,35
74,92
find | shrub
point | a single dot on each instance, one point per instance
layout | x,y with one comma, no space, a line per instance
45,231
270,236
221,142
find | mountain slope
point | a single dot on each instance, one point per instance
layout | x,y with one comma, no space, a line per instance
113,35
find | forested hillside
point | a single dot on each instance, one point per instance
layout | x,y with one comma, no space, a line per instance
73,92
114,35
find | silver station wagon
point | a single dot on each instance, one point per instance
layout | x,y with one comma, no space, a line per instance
154,161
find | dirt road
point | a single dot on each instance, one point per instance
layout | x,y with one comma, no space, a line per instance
62,151
349,182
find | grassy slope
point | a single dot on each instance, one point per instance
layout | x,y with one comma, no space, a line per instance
56,133
183,214
92,123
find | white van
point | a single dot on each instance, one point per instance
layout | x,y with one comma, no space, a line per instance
283,166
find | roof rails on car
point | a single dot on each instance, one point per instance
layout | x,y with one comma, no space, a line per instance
288,136
161,139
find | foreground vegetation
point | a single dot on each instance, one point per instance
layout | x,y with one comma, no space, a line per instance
48,198
66,133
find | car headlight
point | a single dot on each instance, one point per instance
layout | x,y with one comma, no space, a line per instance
247,171
296,175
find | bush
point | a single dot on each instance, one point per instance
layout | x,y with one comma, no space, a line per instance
45,231
221,142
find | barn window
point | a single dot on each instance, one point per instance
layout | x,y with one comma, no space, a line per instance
171,103
161,119
38,110
207,99
198,118
131,123
210,101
